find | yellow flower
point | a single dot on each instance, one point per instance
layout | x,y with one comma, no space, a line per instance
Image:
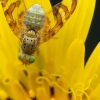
59,72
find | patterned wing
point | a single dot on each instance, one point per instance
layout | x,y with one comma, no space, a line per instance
61,13
14,12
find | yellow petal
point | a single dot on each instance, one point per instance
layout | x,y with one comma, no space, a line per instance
74,62
93,64
3,95
95,95
41,94
13,88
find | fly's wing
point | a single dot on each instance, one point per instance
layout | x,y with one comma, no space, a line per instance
61,13
14,12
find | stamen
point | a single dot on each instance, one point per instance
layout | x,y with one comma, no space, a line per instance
25,72
34,98
7,80
69,94
23,86
40,74
8,98
52,91
57,77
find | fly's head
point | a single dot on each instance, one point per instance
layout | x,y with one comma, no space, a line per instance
26,59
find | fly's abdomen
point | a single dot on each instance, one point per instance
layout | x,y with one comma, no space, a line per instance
34,17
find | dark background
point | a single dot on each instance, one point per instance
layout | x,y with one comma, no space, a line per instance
94,32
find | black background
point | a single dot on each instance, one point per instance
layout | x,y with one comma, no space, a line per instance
94,32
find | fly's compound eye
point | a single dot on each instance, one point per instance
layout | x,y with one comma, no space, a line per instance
19,56
31,59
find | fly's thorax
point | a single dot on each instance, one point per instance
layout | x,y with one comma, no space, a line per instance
34,17
31,33
26,59
30,42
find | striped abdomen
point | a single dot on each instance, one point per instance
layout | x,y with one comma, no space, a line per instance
34,17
